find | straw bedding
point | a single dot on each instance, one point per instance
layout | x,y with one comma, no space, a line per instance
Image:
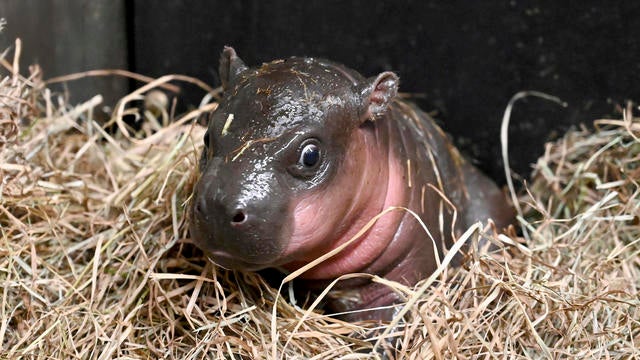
95,259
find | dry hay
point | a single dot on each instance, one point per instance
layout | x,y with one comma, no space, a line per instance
95,260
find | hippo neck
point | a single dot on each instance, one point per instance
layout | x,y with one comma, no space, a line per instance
435,187
423,158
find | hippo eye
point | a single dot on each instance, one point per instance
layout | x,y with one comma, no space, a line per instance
307,162
309,155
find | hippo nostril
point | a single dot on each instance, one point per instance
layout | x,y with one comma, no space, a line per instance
200,206
238,218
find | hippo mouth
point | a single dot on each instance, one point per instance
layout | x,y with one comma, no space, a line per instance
226,255
231,262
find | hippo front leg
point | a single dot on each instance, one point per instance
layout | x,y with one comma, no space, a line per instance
371,302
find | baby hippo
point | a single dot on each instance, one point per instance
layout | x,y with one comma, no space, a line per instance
302,153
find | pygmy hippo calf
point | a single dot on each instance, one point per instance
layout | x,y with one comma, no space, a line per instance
302,153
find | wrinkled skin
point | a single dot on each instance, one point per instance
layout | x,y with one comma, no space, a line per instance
302,153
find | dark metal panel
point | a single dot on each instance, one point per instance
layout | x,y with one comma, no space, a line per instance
66,36
466,57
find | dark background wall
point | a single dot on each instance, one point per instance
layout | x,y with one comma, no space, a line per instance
66,36
462,59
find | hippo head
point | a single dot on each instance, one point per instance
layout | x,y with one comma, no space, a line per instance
279,151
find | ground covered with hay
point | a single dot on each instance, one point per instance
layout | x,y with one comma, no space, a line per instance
95,260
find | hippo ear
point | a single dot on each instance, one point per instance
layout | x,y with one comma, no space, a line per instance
230,67
378,93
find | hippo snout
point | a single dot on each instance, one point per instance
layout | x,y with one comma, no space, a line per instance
215,212
234,231
214,215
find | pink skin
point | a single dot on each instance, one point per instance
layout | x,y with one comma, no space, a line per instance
324,220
